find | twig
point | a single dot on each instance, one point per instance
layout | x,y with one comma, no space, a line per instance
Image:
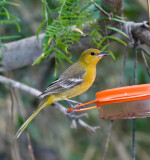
101,9
88,127
145,62
123,67
13,145
30,148
19,85
135,64
12,109
144,50
108,139
144,58
62,109
36,92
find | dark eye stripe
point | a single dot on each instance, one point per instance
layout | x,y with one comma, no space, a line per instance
92,53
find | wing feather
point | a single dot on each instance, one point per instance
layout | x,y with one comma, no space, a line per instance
65,82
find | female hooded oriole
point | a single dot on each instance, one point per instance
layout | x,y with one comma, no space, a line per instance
74,81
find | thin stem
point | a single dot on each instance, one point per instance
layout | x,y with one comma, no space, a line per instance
135,65
13,145
30,148
144,50
146,64
123,67
108,139
100,8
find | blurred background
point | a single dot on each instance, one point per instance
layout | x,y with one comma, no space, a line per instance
51,136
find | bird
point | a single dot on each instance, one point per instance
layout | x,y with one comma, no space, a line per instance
77,79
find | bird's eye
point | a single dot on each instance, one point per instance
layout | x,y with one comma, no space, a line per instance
92,53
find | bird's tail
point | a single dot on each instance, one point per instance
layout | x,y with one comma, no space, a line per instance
40,107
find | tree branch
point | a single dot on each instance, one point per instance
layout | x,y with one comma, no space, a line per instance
24,52
56,105
139,31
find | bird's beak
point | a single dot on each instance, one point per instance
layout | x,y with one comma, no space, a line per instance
101,54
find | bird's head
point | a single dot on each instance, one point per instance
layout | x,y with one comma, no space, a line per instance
91,56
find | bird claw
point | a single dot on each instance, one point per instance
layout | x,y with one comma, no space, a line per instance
73,112
80,107
72,109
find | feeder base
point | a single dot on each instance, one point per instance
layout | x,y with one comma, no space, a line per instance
126,110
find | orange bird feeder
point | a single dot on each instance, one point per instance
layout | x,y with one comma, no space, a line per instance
121,103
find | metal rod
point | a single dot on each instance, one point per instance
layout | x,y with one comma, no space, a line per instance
133,134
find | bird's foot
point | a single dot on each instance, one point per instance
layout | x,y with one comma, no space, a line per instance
73,107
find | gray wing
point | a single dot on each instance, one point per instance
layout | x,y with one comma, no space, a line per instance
66,81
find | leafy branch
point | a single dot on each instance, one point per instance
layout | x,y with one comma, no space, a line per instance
64,30
7,18
67,28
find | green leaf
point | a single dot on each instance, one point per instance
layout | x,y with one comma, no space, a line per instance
9,37
45,14
10,3
10,15
95,41
74,4
114,19
48,52
6,11
63,55
118,20
118,30
59,59
39,28
56,66
111,53
113,38
37,61
62,46
44,55
105,47
118,16
11,22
